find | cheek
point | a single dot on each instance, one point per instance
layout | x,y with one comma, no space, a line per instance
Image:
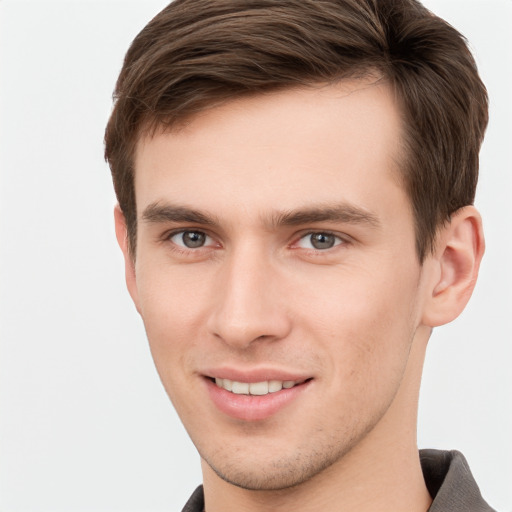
169,293
169,310
172,306
367,324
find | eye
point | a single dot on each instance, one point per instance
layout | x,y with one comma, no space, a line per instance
319,241
191,239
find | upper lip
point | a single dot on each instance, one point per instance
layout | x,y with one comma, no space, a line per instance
254,374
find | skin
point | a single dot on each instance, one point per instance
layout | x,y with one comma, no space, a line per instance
261,175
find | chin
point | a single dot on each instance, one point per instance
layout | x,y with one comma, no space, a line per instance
276,474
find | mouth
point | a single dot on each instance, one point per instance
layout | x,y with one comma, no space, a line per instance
257,400
256,388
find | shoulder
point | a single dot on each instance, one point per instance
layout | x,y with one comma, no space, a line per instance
196,502
450,482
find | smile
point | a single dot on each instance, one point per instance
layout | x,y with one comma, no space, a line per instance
256,400
255,388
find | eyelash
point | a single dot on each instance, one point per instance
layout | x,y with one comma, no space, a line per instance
340,240
182,249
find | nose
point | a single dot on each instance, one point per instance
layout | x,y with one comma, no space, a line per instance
250,301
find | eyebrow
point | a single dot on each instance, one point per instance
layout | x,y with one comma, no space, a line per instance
342,213
158,213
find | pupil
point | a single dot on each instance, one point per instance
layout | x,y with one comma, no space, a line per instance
193,239
322,240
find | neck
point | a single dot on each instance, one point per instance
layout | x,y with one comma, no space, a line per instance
382,472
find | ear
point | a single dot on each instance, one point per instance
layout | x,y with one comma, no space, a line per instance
459,249
129,263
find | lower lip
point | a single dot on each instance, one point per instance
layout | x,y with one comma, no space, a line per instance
253,407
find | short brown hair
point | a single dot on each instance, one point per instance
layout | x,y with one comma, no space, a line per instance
198,53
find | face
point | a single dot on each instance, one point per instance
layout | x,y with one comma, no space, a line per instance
277,277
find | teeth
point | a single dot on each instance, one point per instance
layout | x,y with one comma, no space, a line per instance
255,388
258,388
274,385
240,388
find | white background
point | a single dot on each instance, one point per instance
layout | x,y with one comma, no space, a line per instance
84,422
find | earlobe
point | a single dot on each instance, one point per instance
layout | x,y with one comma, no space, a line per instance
459,250
129,263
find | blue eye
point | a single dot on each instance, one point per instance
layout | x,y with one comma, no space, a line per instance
190,239
319,241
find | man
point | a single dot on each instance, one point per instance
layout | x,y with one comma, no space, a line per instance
295,183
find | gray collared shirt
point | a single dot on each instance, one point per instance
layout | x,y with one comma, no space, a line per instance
447,476
450,483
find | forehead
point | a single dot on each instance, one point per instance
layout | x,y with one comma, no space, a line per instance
300,145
